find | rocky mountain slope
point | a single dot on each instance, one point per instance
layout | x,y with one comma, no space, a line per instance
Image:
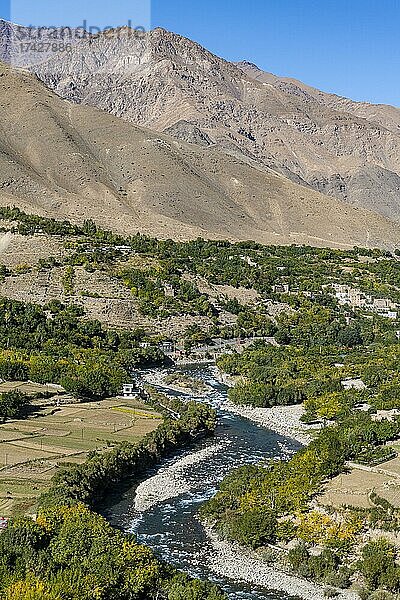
345,149
62,159
27,46
383,114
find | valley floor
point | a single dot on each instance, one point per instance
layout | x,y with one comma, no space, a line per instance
63,431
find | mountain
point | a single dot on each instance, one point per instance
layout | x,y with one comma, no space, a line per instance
382,114
160,80
26,46
66,160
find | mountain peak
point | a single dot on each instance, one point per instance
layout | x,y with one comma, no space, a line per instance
162,80
248,64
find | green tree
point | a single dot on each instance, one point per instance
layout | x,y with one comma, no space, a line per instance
13,404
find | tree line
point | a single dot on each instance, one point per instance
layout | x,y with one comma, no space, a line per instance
71,553
56,344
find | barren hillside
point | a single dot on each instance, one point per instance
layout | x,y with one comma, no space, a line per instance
341,148
65,160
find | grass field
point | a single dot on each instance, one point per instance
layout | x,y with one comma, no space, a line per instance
32,450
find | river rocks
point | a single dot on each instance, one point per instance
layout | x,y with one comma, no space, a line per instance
189,386
154,377
285,420
228,559
170,481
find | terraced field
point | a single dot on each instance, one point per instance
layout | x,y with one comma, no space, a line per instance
354,488
32,450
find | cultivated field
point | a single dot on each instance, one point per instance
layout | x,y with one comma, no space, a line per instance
354,488
29,387
32,450
17,250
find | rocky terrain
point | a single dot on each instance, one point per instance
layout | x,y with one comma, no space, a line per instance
160,80
233,561
64,160
21,46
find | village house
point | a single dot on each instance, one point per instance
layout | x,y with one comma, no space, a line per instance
357,299
281,288
353,384
167,347
130,391
169,290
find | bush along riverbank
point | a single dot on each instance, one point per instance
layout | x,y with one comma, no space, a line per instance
72,553
183,424
275,504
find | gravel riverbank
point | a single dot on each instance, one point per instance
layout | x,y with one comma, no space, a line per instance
284,420
158,378
170,480
228,559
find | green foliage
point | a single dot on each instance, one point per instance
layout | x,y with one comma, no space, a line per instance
292,374
324,568
162,293
254,527
264,394
13,404
279,376
181,587
68,280
72,553
375,456
94,379
378,565
87,359
383,515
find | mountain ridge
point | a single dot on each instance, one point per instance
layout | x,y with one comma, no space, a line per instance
162,81
361,108
66,160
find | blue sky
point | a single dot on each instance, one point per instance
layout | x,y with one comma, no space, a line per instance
349,47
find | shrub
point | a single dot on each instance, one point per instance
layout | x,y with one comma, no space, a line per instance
255,527
13,404
378,565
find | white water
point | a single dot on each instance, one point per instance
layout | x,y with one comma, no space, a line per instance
162,511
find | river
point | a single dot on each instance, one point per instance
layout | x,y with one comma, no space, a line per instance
162,512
